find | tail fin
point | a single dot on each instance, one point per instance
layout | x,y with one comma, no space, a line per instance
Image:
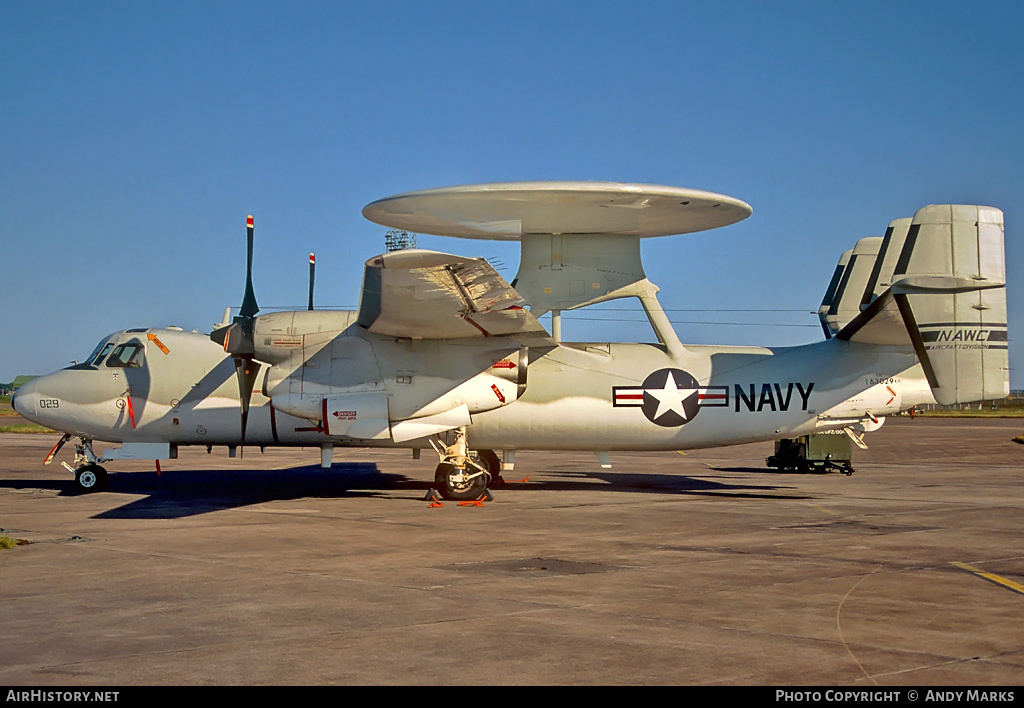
843,301
947,299
831,325
885,265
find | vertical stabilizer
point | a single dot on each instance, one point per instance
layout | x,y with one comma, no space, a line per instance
845,303
949,284
830,294
885,264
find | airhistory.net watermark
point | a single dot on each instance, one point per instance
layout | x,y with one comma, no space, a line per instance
40,696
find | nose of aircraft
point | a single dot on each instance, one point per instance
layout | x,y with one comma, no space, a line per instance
24,399
70,400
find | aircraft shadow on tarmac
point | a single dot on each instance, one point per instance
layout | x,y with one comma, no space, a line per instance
623,482
183,493
776,471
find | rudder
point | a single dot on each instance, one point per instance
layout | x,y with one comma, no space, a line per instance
951,278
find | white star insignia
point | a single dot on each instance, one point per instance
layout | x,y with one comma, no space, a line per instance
670,398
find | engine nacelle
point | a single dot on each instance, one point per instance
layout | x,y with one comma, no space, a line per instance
357,384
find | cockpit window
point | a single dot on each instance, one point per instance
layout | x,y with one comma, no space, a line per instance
129,354
95,351
98,358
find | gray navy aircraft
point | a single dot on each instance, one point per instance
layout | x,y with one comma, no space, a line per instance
443,353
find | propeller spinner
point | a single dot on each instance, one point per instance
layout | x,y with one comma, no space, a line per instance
238,339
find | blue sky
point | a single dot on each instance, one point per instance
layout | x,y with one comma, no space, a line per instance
136,137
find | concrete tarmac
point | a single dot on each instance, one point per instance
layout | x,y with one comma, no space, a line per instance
698,568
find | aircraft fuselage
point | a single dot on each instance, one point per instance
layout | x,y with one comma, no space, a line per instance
181,389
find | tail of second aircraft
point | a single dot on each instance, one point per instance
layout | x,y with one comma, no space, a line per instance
936,282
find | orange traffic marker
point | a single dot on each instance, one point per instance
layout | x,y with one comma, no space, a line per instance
153,338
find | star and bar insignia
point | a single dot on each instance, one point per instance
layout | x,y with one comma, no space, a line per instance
669,397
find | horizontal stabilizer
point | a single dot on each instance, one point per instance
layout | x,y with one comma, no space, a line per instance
881,323
948,300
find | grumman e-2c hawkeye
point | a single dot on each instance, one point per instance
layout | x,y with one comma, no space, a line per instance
444,353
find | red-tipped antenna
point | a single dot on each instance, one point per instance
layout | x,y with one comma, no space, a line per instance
312,275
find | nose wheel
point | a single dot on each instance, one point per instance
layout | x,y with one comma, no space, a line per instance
91,478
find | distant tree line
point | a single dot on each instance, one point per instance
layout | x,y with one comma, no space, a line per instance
6,389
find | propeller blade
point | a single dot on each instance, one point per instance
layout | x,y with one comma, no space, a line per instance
238,338
249,306
246,371
312,275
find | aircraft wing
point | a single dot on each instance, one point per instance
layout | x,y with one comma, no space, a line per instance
431,295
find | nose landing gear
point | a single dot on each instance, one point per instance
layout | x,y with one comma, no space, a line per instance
89,475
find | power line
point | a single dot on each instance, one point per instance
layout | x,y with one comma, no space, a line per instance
697,309
693,322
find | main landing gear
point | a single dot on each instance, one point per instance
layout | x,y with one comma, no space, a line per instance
89,475
463,474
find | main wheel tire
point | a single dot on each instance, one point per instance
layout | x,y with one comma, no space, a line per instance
453,485
490,460
91,478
